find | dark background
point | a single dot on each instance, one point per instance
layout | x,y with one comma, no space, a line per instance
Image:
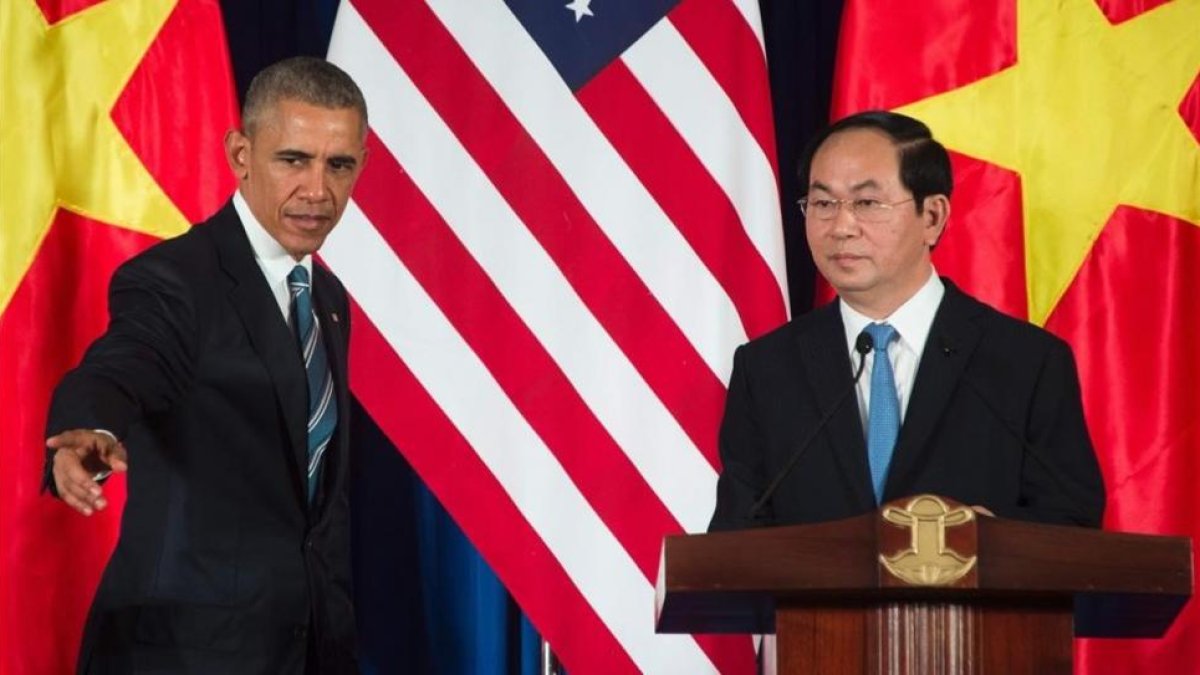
426,601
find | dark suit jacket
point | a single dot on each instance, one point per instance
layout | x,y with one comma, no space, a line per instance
221,565
995,419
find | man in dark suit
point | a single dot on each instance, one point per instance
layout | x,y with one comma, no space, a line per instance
220,385
954,397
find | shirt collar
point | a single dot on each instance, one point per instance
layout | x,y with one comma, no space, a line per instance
275,261
912,320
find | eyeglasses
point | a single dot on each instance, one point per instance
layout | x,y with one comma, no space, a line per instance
863,209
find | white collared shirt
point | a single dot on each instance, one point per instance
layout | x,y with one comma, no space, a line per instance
275,262
912,322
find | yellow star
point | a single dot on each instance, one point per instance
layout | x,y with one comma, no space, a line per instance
1089,118
58,144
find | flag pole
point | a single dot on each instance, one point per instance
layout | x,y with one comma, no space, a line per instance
550,664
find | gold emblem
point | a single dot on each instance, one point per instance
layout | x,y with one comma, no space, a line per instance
927,561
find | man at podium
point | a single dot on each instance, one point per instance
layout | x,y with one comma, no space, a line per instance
904,384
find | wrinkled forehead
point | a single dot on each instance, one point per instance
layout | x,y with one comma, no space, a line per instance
292,113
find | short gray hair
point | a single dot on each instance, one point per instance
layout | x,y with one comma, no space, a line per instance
301,78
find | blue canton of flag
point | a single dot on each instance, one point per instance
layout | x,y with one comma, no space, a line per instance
581,39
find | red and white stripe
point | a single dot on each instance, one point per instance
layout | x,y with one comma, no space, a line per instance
548,288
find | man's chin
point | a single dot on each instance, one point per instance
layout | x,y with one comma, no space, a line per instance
298,247
844,281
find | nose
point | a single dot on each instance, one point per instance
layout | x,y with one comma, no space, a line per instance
313,183
844,224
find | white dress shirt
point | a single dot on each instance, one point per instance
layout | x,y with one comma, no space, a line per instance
912,322
275,262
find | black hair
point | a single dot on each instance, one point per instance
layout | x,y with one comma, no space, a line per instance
924,163
301,78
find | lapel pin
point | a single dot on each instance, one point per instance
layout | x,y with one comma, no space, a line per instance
333,315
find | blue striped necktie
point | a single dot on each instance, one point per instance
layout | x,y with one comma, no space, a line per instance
322,408
883,423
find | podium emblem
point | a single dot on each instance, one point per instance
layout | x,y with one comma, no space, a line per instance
928,561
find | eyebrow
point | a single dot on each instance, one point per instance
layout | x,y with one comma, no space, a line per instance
293,154
869,183
290,153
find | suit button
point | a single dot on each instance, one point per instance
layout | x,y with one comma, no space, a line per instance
300,632
308,544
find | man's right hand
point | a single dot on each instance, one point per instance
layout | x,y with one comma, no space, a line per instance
80,457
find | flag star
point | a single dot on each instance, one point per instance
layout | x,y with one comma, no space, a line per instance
1089,117
60,146
581,8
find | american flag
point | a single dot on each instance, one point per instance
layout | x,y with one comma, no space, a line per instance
568,220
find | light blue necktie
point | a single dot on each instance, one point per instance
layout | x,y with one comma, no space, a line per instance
883,423
322,408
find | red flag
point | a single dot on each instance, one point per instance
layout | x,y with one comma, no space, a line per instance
111,120
568,221
1075,135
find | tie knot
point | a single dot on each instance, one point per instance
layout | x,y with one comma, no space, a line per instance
298,277
881,333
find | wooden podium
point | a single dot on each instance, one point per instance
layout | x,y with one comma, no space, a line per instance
924,585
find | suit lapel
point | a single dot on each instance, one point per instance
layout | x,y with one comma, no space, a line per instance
825,358
270,336
333,335
332,331
952,339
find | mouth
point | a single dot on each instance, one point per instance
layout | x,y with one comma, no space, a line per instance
845,258
308,221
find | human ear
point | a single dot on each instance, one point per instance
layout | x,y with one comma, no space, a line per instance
237,151
936,213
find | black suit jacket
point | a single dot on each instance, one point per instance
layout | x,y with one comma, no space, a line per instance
995,419
221,566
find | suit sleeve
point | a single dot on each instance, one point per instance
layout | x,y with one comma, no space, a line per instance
742,448
141,364
1060,476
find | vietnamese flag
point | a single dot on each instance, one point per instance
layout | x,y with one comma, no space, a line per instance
111,123
1074,128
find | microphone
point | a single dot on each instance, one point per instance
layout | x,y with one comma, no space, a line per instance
949,349
863,344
